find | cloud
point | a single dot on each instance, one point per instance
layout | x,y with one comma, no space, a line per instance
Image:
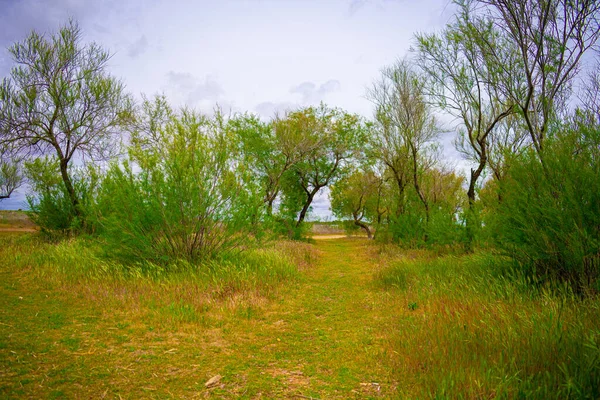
19,17
268,110
311,93
192,91
138,47
356,5
330,86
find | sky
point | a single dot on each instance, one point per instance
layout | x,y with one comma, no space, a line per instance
261,56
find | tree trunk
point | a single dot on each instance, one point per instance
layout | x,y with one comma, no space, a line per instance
418,188
270,206
309,199
69,186
364,226
401,187
471,213
270,197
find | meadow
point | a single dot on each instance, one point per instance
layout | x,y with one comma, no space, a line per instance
167,249
335,318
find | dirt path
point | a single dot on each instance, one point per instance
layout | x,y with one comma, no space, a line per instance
332,330
16,230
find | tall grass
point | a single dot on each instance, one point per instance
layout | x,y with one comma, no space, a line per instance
475,327
180,291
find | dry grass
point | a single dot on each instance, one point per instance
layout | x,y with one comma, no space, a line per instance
16,222
357,322
472,326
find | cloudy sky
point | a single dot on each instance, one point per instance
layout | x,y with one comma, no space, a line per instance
261,56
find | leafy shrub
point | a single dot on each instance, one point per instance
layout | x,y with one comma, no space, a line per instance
51,207
549,216
180,194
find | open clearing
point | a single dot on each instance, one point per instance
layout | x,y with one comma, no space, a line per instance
326,335
335,333
16,222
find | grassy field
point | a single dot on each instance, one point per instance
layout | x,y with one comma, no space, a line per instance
15,221
341,318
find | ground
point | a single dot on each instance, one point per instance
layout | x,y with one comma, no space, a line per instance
359,320
15,221
324,337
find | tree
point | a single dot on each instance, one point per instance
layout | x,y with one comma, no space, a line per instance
390,148
464,81
551,37
59,100
356,196
10,178
408,126
270,150
334,137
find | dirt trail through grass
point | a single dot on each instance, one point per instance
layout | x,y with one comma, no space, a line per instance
323,337
332,328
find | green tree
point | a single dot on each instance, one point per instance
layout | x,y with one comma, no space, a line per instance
59,100
10,177
270,149
356,196
389,148
465,82
334,138
408,128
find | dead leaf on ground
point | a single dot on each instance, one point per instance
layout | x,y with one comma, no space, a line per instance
213,381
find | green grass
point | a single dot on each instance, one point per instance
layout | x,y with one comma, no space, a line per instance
481,330
337,319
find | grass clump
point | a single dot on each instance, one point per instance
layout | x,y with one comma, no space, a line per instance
83,261
475,327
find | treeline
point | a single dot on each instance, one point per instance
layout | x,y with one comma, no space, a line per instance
160,184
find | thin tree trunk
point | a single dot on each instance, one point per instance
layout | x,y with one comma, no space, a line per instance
270,201
418,188
365,227
69,186
401,187
309,199
471,214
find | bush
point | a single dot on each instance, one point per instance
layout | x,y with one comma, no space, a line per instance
180,195
52,209
444,229
549,216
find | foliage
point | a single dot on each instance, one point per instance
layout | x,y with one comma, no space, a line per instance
59,101
179,195
10,177
272,149
549,216
356,196
335,137
51,206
